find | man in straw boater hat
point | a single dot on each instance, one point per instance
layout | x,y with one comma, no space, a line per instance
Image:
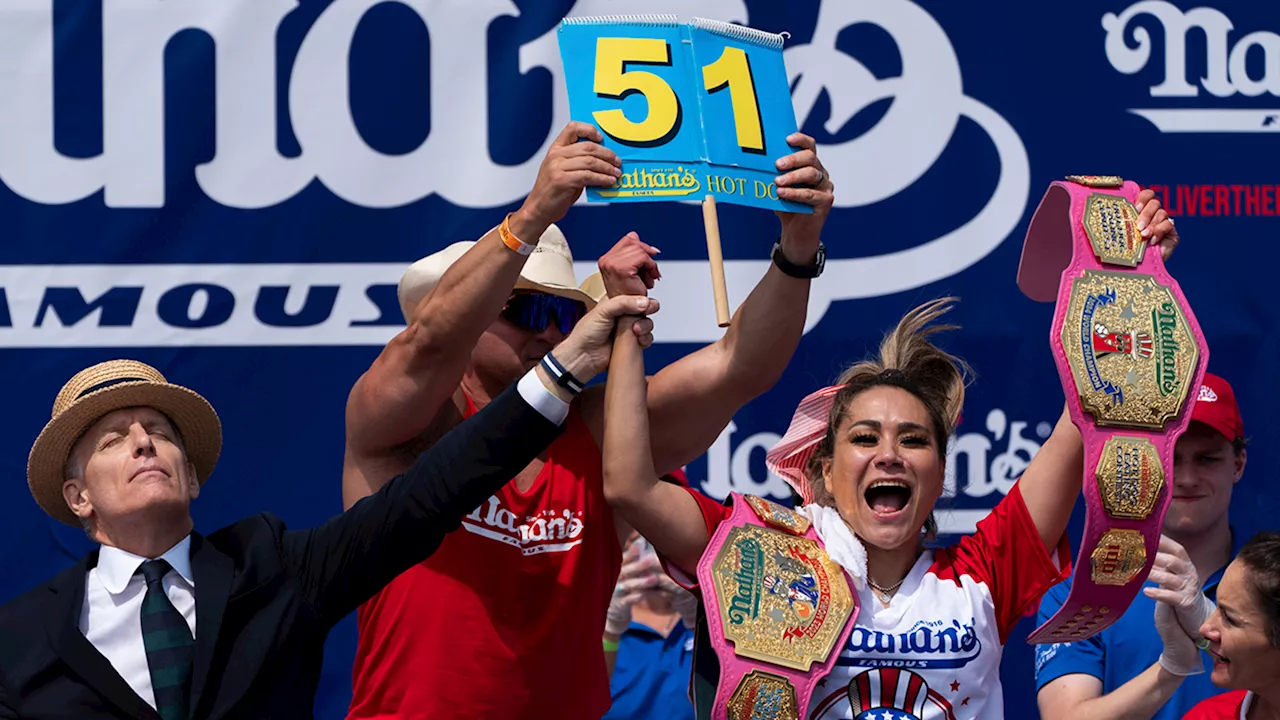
162,622
506,620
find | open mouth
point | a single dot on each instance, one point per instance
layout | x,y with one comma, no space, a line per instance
887,497
1218,658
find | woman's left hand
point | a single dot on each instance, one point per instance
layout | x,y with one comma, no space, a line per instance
1155,224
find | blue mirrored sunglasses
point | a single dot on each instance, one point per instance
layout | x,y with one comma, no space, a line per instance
534,311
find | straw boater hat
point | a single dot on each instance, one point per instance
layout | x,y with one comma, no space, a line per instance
549,269
104,388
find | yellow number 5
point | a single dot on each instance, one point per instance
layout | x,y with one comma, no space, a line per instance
733,71
613,80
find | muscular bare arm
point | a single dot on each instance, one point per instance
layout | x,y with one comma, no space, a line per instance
402,393
692,400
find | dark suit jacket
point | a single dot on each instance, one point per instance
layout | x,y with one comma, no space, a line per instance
266,596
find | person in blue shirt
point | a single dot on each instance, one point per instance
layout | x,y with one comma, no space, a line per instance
1139,668
649,638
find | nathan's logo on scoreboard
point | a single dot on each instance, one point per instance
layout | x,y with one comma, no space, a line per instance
655,182
1228,70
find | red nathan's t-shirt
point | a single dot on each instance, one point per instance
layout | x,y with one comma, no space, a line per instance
934,653
505,619
1233,705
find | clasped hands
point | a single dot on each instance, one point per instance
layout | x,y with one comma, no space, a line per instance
1181,608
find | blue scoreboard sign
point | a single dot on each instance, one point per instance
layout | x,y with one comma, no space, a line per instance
694,110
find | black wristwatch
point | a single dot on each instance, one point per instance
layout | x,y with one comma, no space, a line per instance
804,272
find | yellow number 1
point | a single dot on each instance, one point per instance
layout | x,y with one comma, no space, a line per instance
733,71
613,80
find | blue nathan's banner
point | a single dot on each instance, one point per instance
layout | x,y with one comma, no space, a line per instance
230,190
709,116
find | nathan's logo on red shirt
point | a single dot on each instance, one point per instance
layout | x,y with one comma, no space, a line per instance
543,532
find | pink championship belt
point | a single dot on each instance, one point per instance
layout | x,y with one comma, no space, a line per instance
1129,351
778,610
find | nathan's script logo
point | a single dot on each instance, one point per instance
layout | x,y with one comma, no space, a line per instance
745,603
1165,319
1226,73
928,644
544,532
642,182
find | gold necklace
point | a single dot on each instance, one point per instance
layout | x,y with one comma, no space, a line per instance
884,593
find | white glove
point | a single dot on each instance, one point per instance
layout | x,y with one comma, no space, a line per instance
1179,587
639,573
1180,656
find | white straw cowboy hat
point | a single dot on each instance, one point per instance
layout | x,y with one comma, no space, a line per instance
104,388
549,269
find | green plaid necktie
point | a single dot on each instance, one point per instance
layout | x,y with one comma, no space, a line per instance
167,640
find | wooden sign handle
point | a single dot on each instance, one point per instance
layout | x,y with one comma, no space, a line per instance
716,258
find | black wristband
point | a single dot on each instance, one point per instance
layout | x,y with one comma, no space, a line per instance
563,377
804,272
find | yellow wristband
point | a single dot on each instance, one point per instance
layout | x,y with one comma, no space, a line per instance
610,646
511,241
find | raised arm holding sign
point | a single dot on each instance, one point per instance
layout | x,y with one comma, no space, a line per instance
701,110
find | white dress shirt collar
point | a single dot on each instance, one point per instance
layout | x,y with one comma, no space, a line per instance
116,566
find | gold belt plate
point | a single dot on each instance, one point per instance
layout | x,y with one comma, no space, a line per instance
764,696
1130,477
778,516
1130,349
1097,181
1111,223
781,599
1119,557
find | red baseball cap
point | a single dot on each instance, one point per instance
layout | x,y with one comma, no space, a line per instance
1216,407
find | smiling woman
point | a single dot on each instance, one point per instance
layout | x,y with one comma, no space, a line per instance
905,403
867,456
1244,635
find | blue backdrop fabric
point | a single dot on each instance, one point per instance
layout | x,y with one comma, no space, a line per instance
230,190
